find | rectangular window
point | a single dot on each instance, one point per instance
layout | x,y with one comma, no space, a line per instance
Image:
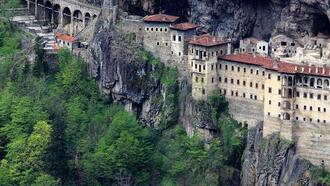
244,70
237,82
269,90
319,109
202,80
203,67
219,79
225,80
212,80
232,93
238,69
226,67
179,38
174,38
212,67
297,106
297,94
251,84
325,97
244,83
220,66
324,110
311,95
257,85
305,107
279,104
305,95
262,86
255,97
196,79
232,68
270,102
278,78
251,71
319,96
257,72
311,108
269,76
279,92
232,81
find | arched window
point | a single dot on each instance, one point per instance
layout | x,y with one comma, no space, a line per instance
312,82
286,116
326,84
305,81
319,83
290,81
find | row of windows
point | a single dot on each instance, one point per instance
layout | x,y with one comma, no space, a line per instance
158,43
311,96
236,94
156,29
238,69
202,54
319,109
174,38
310,120
238,82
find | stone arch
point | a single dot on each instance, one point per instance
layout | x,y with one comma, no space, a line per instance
306,82
66,16
312,82
319,83
49,11
326,84
87,18
77,21
40,9
286,116
290,81
285,80
56,15
299,80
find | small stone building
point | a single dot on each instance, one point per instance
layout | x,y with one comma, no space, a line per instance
283,46
252,45
180,35
65,40
157,35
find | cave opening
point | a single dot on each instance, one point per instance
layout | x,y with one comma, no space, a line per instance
321,24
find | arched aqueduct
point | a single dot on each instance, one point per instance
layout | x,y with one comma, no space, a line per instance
68,15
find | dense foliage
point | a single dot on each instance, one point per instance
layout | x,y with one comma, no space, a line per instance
56,129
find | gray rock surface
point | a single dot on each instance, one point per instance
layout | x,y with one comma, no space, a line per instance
242,18
272,161
122,77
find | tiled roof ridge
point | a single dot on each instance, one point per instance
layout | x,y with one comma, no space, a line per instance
280,66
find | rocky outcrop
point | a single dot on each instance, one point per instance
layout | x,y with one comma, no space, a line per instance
272,161
242,18
125,77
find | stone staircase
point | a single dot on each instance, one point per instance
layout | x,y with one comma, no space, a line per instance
30,24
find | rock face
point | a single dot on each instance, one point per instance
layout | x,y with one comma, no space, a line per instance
272,161
242,18
122,76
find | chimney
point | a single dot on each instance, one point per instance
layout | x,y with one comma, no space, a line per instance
309,70
323,70
302,69
214,39
317,70
295,68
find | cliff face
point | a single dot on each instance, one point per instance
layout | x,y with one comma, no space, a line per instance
124,77
242,18
273,161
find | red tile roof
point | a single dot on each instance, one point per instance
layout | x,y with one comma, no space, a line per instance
160,18
208,40
280,66
64,37
184,26
250,40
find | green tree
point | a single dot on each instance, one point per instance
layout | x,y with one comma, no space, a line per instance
124,153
